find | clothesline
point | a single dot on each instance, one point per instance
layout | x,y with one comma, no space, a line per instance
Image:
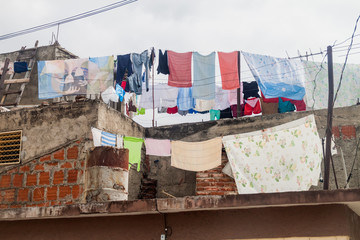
286,157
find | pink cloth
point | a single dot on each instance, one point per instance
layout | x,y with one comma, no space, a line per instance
158,147
229,70
180,69
252,101
232,96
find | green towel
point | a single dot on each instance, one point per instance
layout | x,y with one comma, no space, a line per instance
134,145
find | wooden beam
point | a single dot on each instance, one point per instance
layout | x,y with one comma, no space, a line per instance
20,80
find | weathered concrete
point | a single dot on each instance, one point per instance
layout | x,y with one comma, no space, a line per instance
51,52
171,180
252,216
107,175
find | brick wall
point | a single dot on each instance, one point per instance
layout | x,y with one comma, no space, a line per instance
54,179
214,182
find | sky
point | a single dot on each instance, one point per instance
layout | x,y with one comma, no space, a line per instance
277,28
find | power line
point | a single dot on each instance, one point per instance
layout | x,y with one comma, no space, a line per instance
68,19
346,58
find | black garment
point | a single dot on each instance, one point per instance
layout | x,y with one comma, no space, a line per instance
250,89
163,63
123,64
226,113
20,67
152,57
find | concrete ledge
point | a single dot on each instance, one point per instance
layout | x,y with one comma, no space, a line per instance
350,198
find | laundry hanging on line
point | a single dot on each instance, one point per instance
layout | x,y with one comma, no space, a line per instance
283,158
277,77
180,69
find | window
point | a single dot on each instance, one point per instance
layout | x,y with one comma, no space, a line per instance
10,147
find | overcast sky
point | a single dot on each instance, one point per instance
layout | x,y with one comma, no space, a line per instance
266,27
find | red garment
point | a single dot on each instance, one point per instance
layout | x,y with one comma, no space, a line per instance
299,104
269,100
180,69
229,70
249,110
123,84
172,110
234,110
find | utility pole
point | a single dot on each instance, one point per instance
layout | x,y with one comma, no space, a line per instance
153,82
329,119
238,110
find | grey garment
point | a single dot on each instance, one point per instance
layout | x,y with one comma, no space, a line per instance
183,113
134,84
162,110
137,63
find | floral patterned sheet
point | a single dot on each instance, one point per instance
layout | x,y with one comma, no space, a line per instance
317,86
278,159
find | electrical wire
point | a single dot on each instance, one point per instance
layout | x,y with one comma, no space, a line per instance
346,58
68,19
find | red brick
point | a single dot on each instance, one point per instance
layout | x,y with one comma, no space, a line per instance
45,158
73,153
54,203
75,191
39,167
59,155
3,206
25,168
31,180
14,170
64,191
336,132
72,176
52,164
82,163
9,195
15,206
348,132
44,178
58,177
51,193
5,181
18,180
23,195
38,194
66,165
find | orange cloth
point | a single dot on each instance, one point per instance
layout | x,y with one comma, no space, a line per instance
180,69
229,70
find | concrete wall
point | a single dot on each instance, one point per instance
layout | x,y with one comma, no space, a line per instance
50,128
346,129
51,52
305,221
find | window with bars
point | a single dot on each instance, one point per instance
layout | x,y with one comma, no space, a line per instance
10,147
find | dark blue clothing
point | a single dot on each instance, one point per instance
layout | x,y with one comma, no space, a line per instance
123,64
163,66
20,67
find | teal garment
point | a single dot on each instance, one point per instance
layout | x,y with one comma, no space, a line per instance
214,114
204,76
285,106
134,145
